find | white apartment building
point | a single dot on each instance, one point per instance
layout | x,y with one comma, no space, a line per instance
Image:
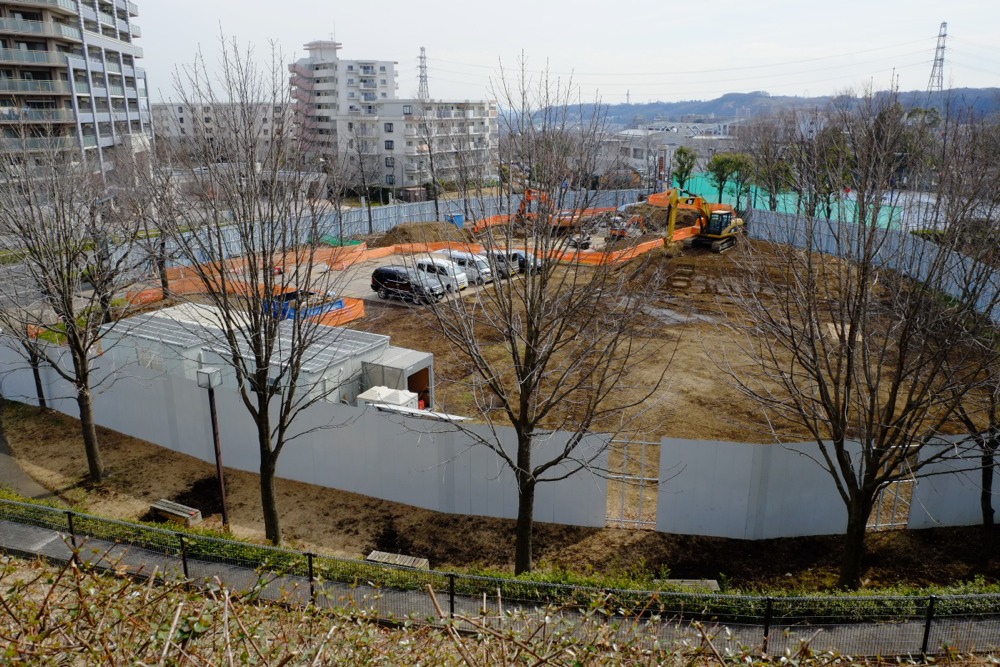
326,87
348,110
175,121
69,77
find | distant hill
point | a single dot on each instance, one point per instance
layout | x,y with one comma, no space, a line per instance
740,105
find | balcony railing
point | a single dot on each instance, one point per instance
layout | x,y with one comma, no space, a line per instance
39,28
8,115
67,5
117,90
32,57
38,143
24,86
107,19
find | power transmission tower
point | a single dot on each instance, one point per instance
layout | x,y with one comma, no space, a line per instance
423,93
936,82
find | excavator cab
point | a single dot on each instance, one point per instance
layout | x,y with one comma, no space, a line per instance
718,223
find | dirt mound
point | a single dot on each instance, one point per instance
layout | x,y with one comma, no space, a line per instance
422,232
659,217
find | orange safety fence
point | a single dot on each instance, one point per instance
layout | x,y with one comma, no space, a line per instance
354,309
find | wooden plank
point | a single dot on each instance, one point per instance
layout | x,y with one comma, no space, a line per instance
399,559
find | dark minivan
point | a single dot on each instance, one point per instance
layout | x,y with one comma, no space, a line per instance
407,284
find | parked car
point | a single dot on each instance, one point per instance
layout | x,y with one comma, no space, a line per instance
500,264
407,284
476,268
444,271
524,261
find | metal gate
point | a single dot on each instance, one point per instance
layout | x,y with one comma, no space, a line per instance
633,484
892,507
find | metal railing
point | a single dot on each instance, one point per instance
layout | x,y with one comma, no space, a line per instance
854,625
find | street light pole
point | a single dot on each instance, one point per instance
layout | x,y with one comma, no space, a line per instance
210,378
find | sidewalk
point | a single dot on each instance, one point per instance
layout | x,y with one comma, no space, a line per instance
14,477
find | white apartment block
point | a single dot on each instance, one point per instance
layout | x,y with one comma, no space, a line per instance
69,77
175,122
349,112
325,87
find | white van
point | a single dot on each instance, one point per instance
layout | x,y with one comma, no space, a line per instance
444,270
475,267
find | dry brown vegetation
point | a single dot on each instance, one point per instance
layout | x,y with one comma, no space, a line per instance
696,403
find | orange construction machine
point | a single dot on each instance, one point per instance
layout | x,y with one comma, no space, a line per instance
717,224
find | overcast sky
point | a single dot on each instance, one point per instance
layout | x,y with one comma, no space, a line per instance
643,50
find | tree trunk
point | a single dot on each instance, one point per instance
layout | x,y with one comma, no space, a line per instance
161,266
852,562
4,445
94,460
34,361
525,523
986,498
269,499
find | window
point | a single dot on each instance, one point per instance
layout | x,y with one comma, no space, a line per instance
180,109
350,82
407,109
390,179
350,127
389,144
350,68
390,162
181,121
388,127
382,81
381,68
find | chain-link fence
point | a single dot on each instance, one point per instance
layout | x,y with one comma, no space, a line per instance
855,625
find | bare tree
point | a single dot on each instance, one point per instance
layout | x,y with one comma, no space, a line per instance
74,251
249,231
551,349
767,141
364,168
861,335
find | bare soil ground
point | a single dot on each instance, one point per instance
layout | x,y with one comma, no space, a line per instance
696,402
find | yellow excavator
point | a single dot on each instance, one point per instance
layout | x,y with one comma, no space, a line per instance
717,224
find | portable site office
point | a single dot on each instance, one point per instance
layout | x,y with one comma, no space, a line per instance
339,365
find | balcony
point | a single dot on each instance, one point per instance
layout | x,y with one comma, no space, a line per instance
112,66
40,87
66,5
118,91
8,115
107,19
32,57
38,144
46,28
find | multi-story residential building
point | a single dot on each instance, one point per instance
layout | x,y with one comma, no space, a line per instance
69,77
176,122
326,87
348,111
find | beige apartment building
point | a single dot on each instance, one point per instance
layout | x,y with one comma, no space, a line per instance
70,78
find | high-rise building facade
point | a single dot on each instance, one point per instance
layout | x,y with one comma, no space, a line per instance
69,78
